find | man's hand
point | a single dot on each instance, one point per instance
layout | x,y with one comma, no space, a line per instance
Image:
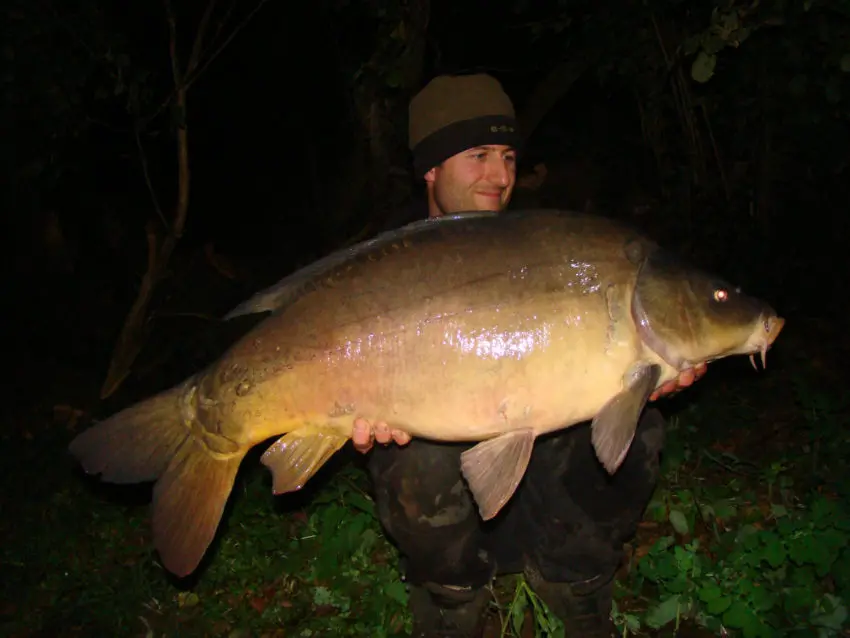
364,435
686,378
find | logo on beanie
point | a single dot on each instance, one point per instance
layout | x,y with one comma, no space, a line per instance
502,128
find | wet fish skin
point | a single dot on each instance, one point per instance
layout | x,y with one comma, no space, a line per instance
480,327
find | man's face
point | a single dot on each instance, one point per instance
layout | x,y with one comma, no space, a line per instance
480,178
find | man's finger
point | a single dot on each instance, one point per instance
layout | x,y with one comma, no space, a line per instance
401,438
686,378
382,433
361,435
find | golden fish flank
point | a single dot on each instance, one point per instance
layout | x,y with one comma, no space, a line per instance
481,327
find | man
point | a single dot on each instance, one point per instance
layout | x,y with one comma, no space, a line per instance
566,524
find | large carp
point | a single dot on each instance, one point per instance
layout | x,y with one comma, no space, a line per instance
486,327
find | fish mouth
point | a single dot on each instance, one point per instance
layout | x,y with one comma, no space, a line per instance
772,327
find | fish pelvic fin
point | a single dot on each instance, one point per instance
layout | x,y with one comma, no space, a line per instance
613,428
160,440
296,456
494,468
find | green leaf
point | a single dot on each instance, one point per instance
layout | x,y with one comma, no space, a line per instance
710,592
834,616
679,522
762,599
702,69
692,44
397,591
719,605
724,509
798,600
517,613
663,613
774,552
751,541
740,616
361,502
778,510
678,584
322,596
713,44
804,577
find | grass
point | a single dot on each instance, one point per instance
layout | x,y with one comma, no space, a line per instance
747,535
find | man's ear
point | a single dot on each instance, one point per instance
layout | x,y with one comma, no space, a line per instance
431,176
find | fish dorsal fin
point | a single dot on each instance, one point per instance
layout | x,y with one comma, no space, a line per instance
292,286
494,468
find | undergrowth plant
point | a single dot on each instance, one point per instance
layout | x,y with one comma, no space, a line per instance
757,555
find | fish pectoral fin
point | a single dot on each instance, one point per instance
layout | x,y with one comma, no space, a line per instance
494,468
613,428
296,456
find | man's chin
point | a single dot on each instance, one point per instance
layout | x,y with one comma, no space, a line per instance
483,202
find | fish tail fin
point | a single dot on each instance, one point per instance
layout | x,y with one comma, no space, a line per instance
188,502
136,444
153,441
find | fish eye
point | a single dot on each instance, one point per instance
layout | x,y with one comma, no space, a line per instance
721,294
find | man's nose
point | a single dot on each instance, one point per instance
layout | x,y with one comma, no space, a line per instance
499,171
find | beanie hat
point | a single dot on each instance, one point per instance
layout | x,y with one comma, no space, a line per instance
457,112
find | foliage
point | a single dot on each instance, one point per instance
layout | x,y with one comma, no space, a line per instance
746,557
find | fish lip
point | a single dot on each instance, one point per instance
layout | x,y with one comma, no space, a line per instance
773,325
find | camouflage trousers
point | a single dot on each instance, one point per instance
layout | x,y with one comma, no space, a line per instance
566,523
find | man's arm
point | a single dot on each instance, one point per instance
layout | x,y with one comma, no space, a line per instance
365,434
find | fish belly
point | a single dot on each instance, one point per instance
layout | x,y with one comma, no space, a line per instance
464,378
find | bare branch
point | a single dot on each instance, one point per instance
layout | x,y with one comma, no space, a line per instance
172,45
224,20
198,46
224,44
144,161
131,337
196,72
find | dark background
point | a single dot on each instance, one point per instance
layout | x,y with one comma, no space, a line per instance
297,146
